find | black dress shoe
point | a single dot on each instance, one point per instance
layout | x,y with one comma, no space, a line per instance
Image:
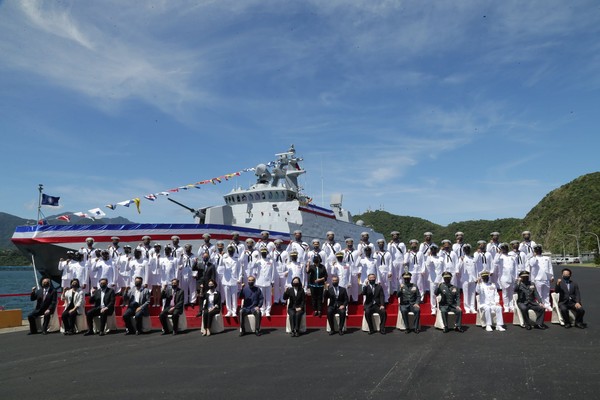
567,326
165,333
341,333
406,332
459,329
331,333
545,326
581,325
417,331
446,330
32,333
44,332
371,332
541,327
88,333
101,334
175,333
127,333
242,334
258,333
528,327
382,331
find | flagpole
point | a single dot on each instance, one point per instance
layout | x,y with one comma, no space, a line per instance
37,283
41,189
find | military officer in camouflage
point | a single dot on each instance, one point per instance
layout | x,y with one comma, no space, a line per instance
409,298
450,302
528,298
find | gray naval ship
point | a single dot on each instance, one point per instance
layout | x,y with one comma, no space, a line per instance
275,203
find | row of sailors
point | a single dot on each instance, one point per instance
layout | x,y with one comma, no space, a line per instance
275,267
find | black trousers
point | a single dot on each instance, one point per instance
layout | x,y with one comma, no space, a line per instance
174,317
374,309
207,316
257,316
451,308
69,320
96,311
564,310
316,297
129,314
331,311
295,319
539,312
405,309
33,316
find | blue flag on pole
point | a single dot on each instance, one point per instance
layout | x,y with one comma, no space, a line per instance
50,200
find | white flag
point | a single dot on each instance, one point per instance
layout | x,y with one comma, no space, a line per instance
97,213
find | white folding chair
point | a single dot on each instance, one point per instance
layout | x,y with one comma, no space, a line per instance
182,322
111,323
557,317
336,320
216,325
518,315
400,322
53,325
439,321
288,326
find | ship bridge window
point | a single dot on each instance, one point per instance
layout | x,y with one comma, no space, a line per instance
250,197
244,197
270,195
238,198
262,195
277,195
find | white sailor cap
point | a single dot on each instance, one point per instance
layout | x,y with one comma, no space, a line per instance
330,233
174,237
278,241
235,233
526,233
446,241
434,247
514,242
481,242
365,233
467,246
428,234
380,241
206,236
411,241
187,246
297,231
265,233
459,233
317,241
503,246
395,233
146,237
249,241
349,240
220,243
157,245
90,239
115,238
495,233
127,246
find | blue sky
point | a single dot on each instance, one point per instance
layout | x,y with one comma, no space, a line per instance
447,111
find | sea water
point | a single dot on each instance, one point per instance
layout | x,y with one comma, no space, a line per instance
17,280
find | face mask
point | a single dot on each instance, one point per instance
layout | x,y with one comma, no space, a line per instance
103,286
525,280
251,284
567,277
372,281
447,281
75,286
45,284
486,279
230,252
407,280
340,259
174,287
295,284
138,284
211,287
335,284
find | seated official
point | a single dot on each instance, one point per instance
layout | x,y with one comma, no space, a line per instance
528,298
253,301
449,302
173,297
296,305
103,300
211,305
409,298
489,302
45,304
374,303
137,300
74,305
338,303
569,299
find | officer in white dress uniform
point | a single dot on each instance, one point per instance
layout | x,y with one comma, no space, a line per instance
384,268
300,247
489,302
426,244
103,268
63,265
451,262
343,270
280,259
363,243
122,268
542,274
527,245
414,263
397,250
330,247
79,271
138,266
187,281
295,269
506,273
518,256
168,266
458,244
469,276
265,275
231,275
435,266
367,266
352,258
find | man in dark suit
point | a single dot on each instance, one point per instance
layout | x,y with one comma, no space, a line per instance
173,297
104,305
137,301
252,302
569,299
374,303
45,305
338,304
296,305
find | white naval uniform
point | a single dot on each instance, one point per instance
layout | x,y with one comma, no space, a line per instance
270,246
247,261
330,249
301,248
527,249
414,263
397,251
187,282
435,266
65,279
89,255
168,270
115,252
519,260
240,247
147,252
361,248
451,265
280,259
103,269
265,275
489,301
154,270
540,268
122,271
469,275
231,274
457,248
424,248
344,272
137,267
506,272
352,258
384,270
485,262
210,248
79,271
367,266
177,251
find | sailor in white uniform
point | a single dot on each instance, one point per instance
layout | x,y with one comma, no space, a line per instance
415,264
343,270
247,260
138,266
240,247
63,266
363,243
265,275
352,258
115,250
146,249
122,269
506,272
295,269
177,249
435,267
489,302
103,268
206,246
527,245
469,276
78,270
368,266
300,247
187,281
154,274
542,275
265,242
426,244
450,262
88,251
168,266
483,260
397,250
280,259
459,243
330,247
218,254
518,256
230,272
384,268
493,247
